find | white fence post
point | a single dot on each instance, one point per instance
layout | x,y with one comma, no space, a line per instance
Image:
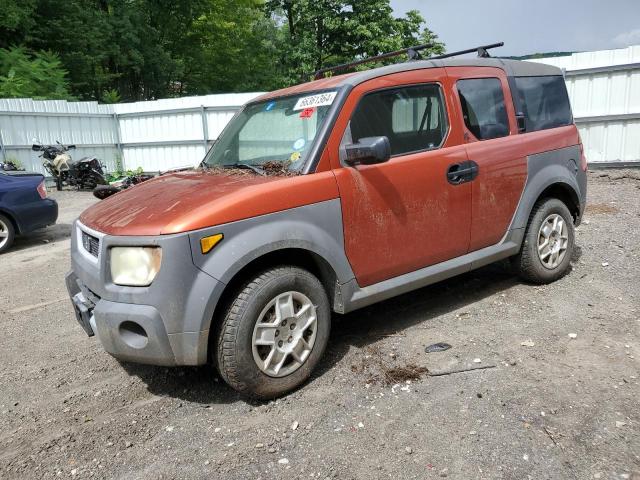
4,154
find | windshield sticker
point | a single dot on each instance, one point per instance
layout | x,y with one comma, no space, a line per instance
307,112
295,156
318,100
269,106
299,144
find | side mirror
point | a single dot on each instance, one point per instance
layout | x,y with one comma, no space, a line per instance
368,151
36,148
71,147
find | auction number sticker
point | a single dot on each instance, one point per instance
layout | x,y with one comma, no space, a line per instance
318,100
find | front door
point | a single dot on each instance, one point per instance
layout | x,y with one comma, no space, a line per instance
407,213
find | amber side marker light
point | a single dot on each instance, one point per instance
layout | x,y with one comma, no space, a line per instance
207,243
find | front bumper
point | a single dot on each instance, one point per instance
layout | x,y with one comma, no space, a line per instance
166,323
133,333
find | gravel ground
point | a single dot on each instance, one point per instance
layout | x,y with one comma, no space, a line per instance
553,406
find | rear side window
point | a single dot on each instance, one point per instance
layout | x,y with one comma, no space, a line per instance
483,107
413,118
544,102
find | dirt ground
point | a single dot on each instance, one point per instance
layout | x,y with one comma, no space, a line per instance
554,407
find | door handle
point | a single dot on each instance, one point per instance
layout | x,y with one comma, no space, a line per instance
462,172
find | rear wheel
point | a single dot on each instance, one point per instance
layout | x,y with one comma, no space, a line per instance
274,332
7,234
548,243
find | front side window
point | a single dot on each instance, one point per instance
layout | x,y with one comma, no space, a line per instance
412,118
544,101
281,130
483,107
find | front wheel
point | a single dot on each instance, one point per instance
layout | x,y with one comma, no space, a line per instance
274,333
548,243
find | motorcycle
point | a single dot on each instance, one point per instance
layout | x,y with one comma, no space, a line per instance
84,173
104,191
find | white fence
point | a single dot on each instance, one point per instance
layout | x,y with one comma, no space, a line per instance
155,136
604,87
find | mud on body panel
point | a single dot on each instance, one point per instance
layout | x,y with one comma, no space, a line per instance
315,228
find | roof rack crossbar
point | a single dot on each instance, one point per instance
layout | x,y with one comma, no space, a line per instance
481,50
412,52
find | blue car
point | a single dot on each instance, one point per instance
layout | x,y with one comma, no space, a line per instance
24,206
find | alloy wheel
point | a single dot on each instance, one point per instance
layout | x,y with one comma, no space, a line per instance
284,334
553,240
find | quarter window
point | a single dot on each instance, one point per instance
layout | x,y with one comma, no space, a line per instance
483,107
413,118
544,101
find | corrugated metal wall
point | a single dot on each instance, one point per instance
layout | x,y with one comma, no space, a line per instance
604,87
24,122
154,136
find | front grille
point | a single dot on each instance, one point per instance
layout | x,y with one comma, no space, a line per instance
91,244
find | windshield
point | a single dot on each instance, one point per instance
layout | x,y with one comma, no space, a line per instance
278,132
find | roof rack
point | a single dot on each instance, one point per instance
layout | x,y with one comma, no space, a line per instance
413,54
481,50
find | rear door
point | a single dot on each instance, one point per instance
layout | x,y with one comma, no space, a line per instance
495,148
404,214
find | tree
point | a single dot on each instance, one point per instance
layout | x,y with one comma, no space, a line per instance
39,75
147,49
16,19
321,33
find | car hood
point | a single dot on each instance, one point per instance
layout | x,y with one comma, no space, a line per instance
186,201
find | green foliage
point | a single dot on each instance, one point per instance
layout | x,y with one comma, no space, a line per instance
325,33
119,174
16,18
128,50
15,161
38,75
110,96
542,55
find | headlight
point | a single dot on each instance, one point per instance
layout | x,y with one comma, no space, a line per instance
135,266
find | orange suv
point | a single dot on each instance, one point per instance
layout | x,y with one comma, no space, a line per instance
327,197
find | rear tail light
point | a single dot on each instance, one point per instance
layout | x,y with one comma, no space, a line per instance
583,158
42,190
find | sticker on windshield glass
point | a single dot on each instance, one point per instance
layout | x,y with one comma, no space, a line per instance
295,156
269,106
307,112
318,100
299,144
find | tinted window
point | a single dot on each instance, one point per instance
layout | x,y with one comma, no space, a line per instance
485,114
413,118
544,102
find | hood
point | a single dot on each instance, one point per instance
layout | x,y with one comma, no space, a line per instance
186,201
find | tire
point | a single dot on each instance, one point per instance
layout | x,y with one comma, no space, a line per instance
237,356
7,234
104,191
539,267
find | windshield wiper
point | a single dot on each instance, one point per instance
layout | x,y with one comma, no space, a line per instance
257,170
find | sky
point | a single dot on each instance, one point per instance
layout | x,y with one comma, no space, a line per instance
530,26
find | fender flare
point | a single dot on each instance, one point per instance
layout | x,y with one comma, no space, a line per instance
544,171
